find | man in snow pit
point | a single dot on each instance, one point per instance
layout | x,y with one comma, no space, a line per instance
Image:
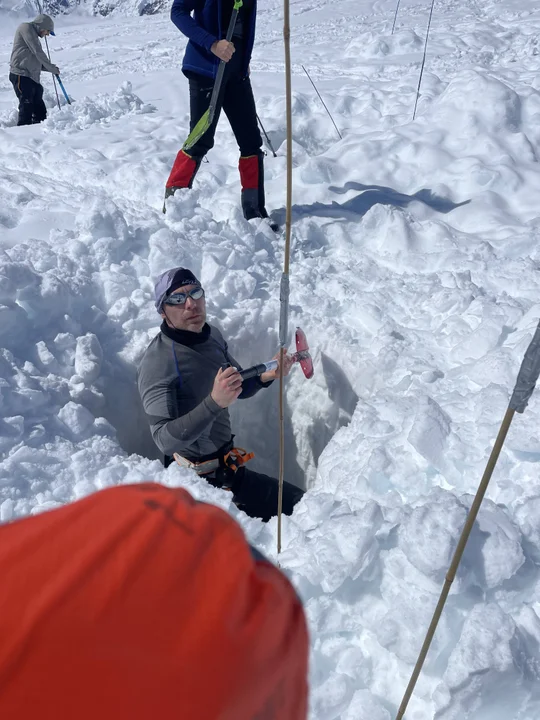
139,603
27,62
206,31
186,389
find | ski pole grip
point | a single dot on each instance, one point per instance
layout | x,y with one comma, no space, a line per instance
258,369
528,375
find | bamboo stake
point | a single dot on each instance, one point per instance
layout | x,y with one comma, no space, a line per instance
525,384
284,289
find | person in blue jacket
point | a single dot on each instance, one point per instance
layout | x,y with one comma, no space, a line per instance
205,23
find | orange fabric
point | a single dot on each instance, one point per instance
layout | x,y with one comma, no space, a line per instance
183,171
238,457
249,172
140,603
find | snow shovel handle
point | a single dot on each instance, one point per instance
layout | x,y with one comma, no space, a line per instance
258,369
271,365
528,375
221,69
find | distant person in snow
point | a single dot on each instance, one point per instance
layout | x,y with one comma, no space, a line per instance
186,389
206,31
27,62
139,603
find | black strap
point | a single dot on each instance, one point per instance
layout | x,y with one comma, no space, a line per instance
218,454
167,460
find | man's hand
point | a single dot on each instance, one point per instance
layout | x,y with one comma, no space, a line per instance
227,387
288,362
55,70
223,49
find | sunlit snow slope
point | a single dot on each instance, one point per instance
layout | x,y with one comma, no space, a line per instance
414,274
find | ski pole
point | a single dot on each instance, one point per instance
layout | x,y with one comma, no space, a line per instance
266,136
206,120
64,90
524,387
53,77
423,60
395,17
324,105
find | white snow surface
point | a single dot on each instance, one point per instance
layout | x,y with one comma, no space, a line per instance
414,273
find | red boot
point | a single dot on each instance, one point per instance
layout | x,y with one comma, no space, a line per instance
183,172
252,178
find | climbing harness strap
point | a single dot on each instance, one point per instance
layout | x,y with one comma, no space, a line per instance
232,459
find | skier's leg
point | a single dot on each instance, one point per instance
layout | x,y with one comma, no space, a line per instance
183,172
239,106
39,112
14,80
24,91
251,169
187,164
257,494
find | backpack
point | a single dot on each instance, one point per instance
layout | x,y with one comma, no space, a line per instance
139,602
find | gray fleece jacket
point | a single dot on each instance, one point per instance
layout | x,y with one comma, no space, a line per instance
27,56
175,379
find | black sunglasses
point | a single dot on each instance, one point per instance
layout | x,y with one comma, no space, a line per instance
180,298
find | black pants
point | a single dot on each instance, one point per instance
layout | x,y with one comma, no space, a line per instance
236,99
30,93
254,493
257,494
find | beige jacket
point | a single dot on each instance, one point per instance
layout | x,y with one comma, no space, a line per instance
27,56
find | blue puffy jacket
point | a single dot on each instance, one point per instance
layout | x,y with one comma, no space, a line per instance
203,29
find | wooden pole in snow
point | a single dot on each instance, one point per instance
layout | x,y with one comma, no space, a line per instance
284,287
525,384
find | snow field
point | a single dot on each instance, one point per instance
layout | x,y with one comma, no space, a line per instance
414,275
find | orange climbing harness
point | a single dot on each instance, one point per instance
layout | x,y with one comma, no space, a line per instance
233,459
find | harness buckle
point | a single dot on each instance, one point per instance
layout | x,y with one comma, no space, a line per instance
237,457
